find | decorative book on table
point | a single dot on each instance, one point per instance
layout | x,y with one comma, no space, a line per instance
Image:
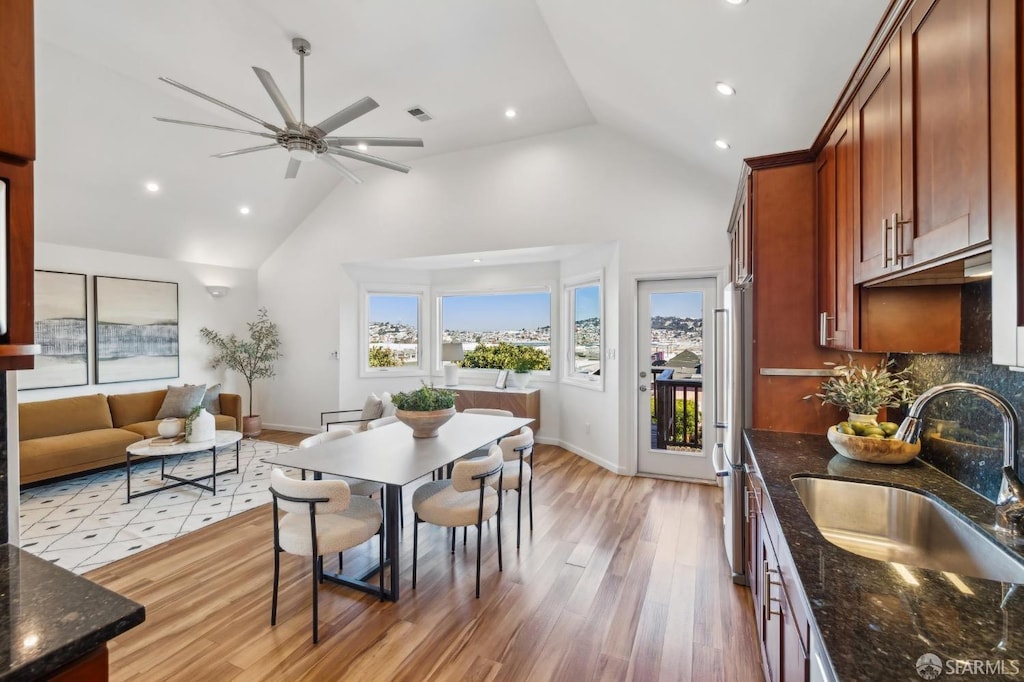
174,440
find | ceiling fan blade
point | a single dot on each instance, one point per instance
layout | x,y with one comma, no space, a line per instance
275,94
333,163
224,155
375,160
208,125
376,141
182,86
293,169
349,113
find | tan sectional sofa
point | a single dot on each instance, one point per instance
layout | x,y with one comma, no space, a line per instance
71,435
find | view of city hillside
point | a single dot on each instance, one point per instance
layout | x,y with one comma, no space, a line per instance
525,319
677,332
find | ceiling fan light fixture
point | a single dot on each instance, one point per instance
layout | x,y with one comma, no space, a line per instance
301,149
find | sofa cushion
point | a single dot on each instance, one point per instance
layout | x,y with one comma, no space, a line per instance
55,455
180,400
63,416
131,408
211,400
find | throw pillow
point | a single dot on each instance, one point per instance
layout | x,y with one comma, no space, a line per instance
388,408
211,401
371,408
180,400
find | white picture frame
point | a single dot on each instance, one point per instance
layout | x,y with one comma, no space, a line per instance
502,378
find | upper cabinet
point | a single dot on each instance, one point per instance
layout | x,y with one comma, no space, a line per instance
837,296
17,80
922,142
739,233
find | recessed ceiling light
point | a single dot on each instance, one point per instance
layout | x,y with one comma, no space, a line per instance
725,89
721,144
510,113
362,147
244,210
736,2
476,260
152,187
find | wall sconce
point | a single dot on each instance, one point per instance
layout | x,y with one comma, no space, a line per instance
218,292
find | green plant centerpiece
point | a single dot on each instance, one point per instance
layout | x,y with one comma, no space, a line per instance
863,391
253,358
425,410
191,419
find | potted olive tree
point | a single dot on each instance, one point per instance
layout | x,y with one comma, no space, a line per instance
253,358
425,410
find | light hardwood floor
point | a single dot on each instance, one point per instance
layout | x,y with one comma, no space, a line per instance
622,579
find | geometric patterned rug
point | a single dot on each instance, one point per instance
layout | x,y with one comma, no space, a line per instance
84,523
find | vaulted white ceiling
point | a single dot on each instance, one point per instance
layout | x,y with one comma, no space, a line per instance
645,67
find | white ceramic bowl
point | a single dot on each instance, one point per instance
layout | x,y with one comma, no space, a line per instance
169,428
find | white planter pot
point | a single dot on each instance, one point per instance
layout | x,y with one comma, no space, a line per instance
517,380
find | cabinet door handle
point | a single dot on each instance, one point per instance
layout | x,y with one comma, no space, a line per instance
768,584
823,337
897,238
885,243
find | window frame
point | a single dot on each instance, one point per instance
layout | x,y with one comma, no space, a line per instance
420,293
569,375
490,373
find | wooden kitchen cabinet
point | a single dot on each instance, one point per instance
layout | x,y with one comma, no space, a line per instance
783,623
838,302
17,80
739,233
922,142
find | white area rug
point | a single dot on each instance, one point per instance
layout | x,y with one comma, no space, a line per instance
84,523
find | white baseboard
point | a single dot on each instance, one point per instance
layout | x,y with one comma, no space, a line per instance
600,461
290,427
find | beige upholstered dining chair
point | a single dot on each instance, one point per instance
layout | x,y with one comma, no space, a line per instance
518,472
319,517
357,485
383,421
468,498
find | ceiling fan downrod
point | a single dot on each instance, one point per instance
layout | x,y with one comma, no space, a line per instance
301,47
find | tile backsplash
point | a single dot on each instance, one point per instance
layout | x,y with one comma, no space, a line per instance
965,433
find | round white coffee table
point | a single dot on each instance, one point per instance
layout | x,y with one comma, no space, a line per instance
145,448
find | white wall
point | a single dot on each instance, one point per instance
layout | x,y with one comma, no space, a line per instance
584,185
196,309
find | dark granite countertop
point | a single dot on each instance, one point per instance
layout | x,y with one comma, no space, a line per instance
873,624
50,617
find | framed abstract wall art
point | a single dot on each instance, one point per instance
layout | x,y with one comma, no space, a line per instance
136,329
61,330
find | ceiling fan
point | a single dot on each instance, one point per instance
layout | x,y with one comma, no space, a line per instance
305,142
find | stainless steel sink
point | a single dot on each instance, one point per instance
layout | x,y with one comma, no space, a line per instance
904,527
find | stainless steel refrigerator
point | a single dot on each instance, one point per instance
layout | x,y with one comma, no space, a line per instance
733,337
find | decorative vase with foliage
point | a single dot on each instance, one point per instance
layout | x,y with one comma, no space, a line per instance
425,410
520,376
200,426
863,391
253,358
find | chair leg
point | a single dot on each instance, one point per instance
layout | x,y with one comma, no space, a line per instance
479,532
465,532
320,572
519,513
453,539
531,504
500,568
415,541
277,578
401,511
317,567
340,563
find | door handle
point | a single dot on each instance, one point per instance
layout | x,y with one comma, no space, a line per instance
885,244
716,379
823,337
897,239
718,459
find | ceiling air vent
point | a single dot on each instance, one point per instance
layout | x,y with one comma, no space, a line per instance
419,114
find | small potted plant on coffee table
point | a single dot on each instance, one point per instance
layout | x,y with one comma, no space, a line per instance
425,410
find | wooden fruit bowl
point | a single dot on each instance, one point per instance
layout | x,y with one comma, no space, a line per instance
874,450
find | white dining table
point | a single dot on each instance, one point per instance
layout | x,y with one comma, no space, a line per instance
391,456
